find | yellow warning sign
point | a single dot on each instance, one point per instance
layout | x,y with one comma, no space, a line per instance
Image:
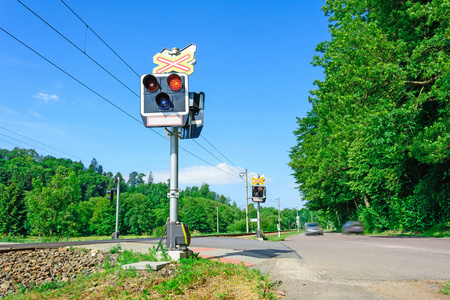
181,63
258,181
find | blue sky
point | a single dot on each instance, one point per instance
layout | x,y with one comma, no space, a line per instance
253,64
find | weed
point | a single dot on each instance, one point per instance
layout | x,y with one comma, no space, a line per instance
156,255
51,285
193,278
107,264
446,289
115,249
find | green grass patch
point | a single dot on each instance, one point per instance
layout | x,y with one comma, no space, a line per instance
446,289
283,236
439,231
35,239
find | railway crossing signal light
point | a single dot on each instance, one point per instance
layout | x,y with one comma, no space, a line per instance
194,124
110,196
164,99
259,193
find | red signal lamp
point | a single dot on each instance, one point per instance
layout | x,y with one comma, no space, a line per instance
150,83
175,82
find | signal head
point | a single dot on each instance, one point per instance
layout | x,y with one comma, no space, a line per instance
163,101
150,83
174,82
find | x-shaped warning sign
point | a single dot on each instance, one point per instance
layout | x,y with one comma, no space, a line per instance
259,180
180,63
175,60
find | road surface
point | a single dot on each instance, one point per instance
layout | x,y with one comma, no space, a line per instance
336,266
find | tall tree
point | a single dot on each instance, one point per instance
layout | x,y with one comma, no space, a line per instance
12,209
378,135
49,207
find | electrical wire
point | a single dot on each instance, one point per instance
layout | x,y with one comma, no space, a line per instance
103,68
41,143
79,49
87,26
27,144
217,158
90,28
35,147
221,153
105,99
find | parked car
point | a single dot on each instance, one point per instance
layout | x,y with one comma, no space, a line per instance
313,228
353,227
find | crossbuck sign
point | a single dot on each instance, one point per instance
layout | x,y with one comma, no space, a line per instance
175,61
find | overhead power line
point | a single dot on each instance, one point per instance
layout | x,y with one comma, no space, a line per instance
45,145
26,144
221,153
87,26
216,158
79,49
118,80
104,98
90,28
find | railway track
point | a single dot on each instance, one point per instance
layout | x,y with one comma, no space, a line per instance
8,247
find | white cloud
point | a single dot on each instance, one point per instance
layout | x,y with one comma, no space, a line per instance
46,97
197,175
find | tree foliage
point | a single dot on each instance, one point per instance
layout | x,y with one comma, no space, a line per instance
376,144
50,196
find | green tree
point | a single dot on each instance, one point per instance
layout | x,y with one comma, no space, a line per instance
49,207
378,135
138,213
12,209
103,216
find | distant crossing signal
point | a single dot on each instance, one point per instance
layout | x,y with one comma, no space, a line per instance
259,193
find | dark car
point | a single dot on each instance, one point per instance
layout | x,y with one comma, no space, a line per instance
313,228
353,227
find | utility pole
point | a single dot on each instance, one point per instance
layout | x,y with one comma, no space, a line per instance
173,194
279,217
241,174
246,199
217,207
116,233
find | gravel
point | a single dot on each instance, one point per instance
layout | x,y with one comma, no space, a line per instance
29,268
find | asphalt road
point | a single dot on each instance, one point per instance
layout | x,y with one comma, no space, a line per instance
336,266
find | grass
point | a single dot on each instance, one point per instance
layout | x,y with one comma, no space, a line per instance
193,278
427,233
283,236
35,239
446,289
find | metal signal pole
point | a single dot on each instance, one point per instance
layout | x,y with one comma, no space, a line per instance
174,176
116,232
217,207
246,199
279,217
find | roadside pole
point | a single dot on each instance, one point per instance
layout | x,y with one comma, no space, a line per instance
246,199
258,232
117,208
217,207
173,194
279,217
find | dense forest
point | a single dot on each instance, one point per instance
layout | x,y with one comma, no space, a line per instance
48,196
376,144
